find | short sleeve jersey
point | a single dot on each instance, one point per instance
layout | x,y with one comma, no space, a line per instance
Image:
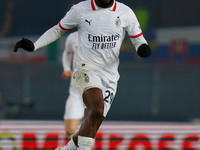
101,32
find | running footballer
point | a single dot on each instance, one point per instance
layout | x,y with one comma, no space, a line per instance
101,25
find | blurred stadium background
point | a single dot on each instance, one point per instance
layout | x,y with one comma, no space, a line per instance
157,105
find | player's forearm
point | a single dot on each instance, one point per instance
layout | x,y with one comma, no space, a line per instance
138,41
141,46
48,37
66,60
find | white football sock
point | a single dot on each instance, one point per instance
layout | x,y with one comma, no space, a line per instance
85,143
70,146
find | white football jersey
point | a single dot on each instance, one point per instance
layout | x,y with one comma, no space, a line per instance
101,32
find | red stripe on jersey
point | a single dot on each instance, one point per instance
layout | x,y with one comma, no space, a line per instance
93,6
114,8
63,27
135,36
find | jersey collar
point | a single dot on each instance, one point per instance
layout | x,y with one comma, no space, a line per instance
95,7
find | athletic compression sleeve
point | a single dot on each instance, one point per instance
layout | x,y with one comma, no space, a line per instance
49,36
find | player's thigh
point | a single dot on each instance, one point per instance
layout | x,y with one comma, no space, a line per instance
86,79
90,85
109,91
98,91
74,108
93,98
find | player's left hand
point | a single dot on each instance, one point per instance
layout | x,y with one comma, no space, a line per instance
26,44
66,74
144,50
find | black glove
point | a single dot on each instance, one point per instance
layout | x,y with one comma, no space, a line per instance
144,50
26,44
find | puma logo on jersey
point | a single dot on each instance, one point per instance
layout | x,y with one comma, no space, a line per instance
88,21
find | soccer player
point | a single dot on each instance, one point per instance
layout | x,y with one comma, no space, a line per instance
101,26
74,107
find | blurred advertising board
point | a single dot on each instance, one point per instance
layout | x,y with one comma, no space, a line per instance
178,45
111,135
169,45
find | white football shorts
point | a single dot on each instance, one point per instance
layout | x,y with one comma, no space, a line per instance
86,79
74,107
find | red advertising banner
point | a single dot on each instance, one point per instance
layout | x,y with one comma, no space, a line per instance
29,135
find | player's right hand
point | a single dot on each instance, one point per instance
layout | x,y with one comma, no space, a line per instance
26,44
66,74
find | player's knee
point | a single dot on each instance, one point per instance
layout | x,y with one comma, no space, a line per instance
96,114
70,130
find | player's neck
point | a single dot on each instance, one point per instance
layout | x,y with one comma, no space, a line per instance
102,4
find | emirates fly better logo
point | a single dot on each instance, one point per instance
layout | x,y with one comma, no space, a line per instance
103,41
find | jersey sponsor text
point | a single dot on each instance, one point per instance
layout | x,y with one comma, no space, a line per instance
103,41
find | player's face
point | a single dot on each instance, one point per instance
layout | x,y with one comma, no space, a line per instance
104,3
